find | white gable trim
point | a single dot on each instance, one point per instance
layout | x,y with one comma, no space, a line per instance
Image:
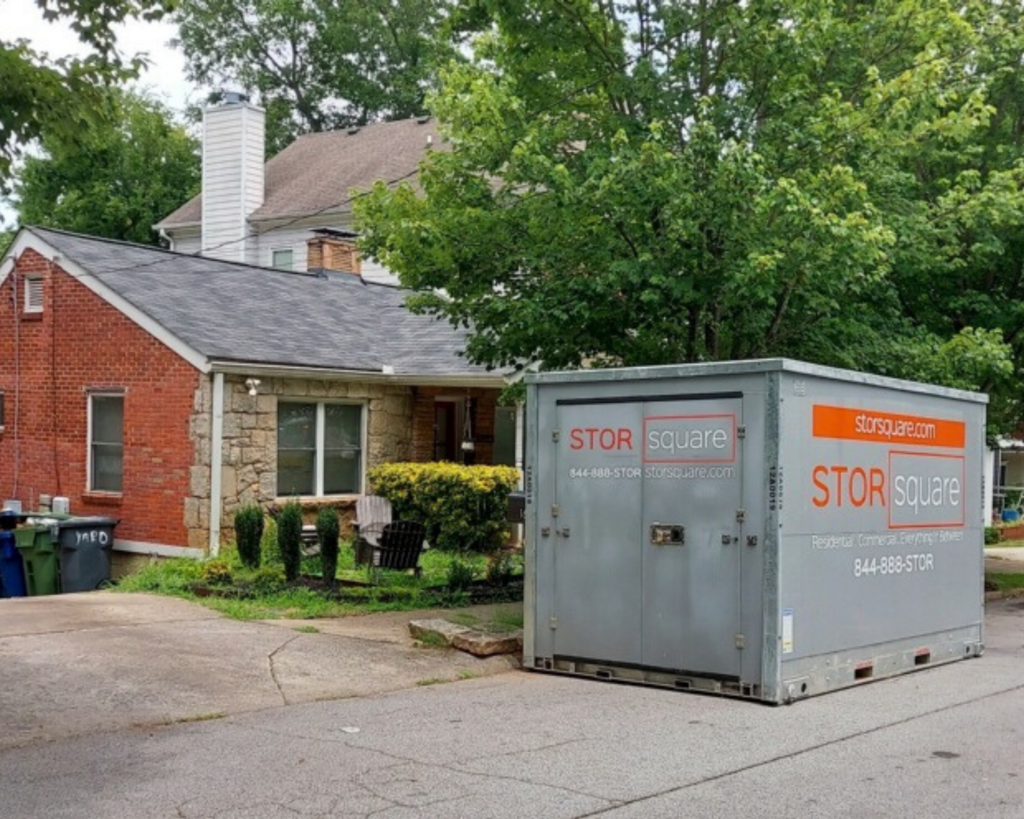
26,240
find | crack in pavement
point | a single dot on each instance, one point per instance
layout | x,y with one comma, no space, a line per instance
82,629
273,670
794,754
454,767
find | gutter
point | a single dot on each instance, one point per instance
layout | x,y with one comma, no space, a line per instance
216,461
494,380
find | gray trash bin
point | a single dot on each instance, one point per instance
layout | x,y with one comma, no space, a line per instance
85,545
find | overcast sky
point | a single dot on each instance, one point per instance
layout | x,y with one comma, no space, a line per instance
22,19
165,77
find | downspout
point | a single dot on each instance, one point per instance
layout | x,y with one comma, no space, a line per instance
216,458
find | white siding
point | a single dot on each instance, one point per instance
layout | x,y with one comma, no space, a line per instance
187,244
233,146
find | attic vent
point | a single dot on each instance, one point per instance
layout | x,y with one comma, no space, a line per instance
33,295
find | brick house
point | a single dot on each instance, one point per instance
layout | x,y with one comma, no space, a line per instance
134,379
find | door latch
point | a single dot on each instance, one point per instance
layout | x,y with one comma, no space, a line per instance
545,531
562,532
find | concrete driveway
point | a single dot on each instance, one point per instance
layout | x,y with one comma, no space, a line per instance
78,664
943,743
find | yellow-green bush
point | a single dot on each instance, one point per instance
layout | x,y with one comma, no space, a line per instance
462,507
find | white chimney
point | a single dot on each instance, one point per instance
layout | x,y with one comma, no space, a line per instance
233,147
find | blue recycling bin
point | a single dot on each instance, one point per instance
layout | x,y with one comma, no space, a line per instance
12,570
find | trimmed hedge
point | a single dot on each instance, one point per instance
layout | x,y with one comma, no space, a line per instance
327,530
249,534
462,507
289,539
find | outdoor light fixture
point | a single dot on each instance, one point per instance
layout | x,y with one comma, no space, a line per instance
468,445
252,384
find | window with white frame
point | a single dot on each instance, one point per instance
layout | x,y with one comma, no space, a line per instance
282,258
33,294
106,442
319,448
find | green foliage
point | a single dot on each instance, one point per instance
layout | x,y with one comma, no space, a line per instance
348,63
249,535
267,580
462,507
64,98
115,179
289,539
661,182
327,530
501,567
460,575
216,573
174,576
992,535
268,543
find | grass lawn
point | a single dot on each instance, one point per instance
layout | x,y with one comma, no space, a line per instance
262,594
1005,581
1005,543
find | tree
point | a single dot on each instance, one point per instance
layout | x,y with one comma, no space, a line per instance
659,182
117,179
316,64
64,96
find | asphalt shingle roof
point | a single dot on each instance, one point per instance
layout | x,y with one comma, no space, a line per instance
236,312
317,171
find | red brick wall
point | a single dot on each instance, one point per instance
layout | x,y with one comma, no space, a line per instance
78,343
485,402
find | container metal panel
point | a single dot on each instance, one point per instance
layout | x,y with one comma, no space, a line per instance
691,588
593,534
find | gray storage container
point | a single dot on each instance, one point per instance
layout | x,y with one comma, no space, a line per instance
85,544
764,529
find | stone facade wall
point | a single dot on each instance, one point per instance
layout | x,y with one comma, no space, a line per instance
249,450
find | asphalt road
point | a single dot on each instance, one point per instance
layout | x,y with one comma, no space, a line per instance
944,742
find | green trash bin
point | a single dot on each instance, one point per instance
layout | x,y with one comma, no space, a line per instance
41,556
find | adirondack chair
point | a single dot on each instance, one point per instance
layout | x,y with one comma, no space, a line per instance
373,513
401,544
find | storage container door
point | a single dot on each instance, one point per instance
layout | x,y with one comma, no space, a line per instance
692,497
594,529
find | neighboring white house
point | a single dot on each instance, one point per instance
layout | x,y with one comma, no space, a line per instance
1004,468
294,212
266,213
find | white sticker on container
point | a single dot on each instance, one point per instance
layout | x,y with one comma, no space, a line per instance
787,631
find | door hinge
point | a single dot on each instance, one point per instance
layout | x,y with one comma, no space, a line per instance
741,515
741,641
555,436
555,509
553,622
741,432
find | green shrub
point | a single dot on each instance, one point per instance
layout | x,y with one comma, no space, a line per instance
216,573
327,530
460,575
248,534
289,539
268,543
501,568
267,580
462,507
992,535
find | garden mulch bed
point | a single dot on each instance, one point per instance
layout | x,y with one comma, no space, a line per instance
480,591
